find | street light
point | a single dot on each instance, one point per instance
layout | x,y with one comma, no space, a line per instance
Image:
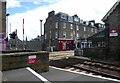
41,33
7,24
7,29
41,27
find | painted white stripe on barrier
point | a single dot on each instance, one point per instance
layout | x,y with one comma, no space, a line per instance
85,74
32,56
38,75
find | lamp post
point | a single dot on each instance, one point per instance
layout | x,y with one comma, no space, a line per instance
7,29
7,24
50,38
41,33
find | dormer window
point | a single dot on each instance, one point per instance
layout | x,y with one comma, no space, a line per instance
64,16
70,19
87,23
92,24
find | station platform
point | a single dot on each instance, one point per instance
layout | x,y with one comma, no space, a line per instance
64,54
52,76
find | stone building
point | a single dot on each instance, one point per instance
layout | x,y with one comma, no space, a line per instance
98,39
64,32
112,22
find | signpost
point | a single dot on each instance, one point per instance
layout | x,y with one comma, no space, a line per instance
113,32
32,59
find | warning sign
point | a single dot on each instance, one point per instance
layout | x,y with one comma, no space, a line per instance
113,32
32,59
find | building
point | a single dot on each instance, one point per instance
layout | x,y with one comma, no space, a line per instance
98,39
112,22
64,32
3,17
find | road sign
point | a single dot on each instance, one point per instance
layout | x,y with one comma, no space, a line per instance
32,59
113,32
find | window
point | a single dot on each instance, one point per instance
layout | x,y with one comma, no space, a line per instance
77,27
64,45
92,30
88,29
92,24
95,30
63,16
87,23
71,26
71,35
64,25
77,35
56,35
45,36
84,36
103,27
76,19
64,35
84,28
56,25
70,19
99,25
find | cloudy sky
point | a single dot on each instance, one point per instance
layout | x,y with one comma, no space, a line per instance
34,10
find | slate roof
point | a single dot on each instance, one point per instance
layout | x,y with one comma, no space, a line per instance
111,10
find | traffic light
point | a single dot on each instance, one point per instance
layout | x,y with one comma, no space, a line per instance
13,35
6,39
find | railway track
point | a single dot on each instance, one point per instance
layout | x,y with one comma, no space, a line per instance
102,65
89,66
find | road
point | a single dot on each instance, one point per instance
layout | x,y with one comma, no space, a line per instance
54,74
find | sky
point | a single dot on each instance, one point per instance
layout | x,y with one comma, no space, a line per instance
32,11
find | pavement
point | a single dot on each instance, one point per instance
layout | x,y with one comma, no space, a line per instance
57,74
54,74
0,76
19,75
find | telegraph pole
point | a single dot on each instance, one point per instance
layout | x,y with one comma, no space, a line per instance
23,35
7,44
7,25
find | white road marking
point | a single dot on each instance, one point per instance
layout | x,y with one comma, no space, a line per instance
85,74
38,75
0,76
